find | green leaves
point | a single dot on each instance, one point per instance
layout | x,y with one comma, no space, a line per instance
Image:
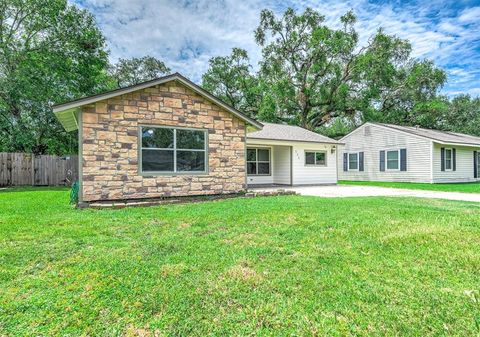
312,75
230,79
50,52
132,71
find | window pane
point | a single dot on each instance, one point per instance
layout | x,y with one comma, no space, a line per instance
190,161
263,168
448,154
353,161
392,155
251,155
161,138
320,158
263,155
448,164
310,158
251,168
392,164
157,160
190,139
392,160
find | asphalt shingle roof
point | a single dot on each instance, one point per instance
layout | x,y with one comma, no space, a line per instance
441,136
284,132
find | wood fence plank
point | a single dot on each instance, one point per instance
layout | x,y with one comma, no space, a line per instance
25,169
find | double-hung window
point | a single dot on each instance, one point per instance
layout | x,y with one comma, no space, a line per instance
393,160
258,161
448,159
318,158
173,150
352,161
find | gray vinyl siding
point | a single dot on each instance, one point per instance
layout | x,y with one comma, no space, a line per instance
464,165
313,175
281,165
288,163
375,139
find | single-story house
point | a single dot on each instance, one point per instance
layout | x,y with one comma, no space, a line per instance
169,137
386,152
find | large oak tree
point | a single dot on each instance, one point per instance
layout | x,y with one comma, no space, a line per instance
312,75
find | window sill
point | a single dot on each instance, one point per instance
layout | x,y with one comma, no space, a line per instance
172,174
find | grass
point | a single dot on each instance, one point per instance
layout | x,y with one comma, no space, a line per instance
274,266
454,187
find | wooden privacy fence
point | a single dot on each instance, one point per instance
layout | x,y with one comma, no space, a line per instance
26,169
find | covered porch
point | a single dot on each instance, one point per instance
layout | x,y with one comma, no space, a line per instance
269,165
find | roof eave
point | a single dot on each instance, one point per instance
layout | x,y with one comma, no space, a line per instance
295,140
68,118
455,144
174,77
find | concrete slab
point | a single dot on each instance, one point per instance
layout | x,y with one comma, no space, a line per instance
344,191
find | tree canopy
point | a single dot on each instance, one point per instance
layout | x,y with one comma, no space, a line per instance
50,52
136,70
318,77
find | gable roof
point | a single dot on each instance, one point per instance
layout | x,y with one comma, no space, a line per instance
445,137
66,112
284,132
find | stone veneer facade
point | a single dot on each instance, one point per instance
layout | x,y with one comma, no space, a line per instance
110,129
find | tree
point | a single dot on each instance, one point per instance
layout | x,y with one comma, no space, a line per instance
50,52
317,74
230,78
312,75
412,98
462,115
132,71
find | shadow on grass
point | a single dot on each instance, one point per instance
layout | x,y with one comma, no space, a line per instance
33,188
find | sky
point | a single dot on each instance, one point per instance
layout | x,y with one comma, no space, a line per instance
185,34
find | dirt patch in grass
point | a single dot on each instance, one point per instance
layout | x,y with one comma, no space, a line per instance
184,225
244,272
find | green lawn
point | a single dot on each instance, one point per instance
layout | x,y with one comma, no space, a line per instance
272,266
460,187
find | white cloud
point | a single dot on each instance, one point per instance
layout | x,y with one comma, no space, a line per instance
186,34
470,15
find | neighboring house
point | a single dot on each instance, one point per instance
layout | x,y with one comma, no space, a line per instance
386,152
168,137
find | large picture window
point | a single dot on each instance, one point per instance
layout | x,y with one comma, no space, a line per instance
393,160
318,158
258,161
171,150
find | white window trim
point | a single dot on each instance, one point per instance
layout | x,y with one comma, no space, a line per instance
398,160
451,159
315,154
358,161
256,148
174,149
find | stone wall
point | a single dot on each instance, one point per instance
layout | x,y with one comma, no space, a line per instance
110,145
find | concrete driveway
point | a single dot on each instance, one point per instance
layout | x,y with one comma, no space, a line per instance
343,191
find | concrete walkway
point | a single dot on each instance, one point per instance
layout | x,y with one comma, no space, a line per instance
343,191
